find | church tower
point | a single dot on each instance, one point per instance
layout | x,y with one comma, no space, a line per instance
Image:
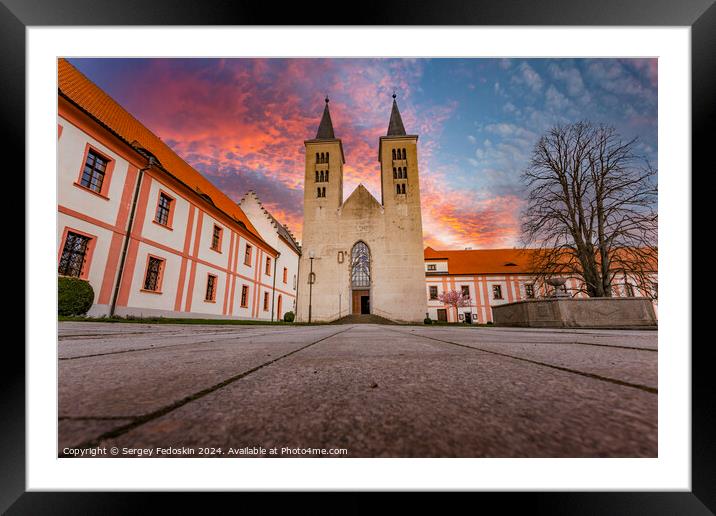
362,256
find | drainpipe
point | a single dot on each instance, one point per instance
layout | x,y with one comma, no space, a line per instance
273,292
128,236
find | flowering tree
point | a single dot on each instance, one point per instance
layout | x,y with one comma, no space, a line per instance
454,299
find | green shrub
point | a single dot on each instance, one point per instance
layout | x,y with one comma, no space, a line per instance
428,320
74,296
289,316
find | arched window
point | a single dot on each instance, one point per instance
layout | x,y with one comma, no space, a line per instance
393,153
316,176
405,173
402,188
328,155
360,265
400,173
323,191
326,175
321,176
317,158
318,194
397,188
404,155
395,173
323,158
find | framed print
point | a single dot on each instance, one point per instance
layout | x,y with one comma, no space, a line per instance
418,252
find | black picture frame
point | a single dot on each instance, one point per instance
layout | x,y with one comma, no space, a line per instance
700,15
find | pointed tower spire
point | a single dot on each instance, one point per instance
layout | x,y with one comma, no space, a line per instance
395,126
325,129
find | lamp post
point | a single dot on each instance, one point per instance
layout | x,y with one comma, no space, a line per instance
311,256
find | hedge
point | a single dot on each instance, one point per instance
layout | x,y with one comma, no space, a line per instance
74,296
289,317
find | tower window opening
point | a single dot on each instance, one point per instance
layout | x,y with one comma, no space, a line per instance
397,189
402,188
316,176
323,191
321,176
404,154
326,175
318,158
394,154
327,156
395,173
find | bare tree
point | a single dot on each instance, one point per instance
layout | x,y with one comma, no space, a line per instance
591,209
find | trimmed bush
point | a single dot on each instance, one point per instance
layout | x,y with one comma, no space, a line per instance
74,296
428,320
289,316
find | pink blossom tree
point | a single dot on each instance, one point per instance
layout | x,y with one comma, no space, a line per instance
454,299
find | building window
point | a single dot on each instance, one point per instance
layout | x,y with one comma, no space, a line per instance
395,172
266,301
247,255
404,154
216,238
326,176
394,155
210,288
244,296
285,275
163,209
152,279
360,265
465,291
93,173
433,292
316,176
496,291
268,266
402,188
73,255
397,189
432,267
529,291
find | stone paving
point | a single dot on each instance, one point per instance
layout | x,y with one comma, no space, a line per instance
368,390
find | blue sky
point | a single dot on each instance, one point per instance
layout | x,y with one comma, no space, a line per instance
242,122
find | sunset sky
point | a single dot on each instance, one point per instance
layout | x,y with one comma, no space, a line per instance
242,123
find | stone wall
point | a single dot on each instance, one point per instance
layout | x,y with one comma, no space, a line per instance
593,312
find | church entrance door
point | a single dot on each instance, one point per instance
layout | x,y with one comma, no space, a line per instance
361,302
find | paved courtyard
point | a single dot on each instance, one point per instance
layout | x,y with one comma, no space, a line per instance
356,391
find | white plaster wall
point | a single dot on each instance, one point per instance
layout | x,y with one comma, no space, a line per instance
70,154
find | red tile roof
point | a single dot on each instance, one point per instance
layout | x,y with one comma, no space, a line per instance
487,261
79,90
483,261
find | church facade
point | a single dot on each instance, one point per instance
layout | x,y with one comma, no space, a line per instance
364,255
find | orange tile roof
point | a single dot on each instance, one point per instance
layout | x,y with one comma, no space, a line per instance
486,261
483,261
77,88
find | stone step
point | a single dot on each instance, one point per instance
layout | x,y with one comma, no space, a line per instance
363,319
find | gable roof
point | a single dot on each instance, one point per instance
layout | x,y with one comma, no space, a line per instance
361,194
281,229
90,98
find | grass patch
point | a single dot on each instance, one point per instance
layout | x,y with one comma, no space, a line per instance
172,320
